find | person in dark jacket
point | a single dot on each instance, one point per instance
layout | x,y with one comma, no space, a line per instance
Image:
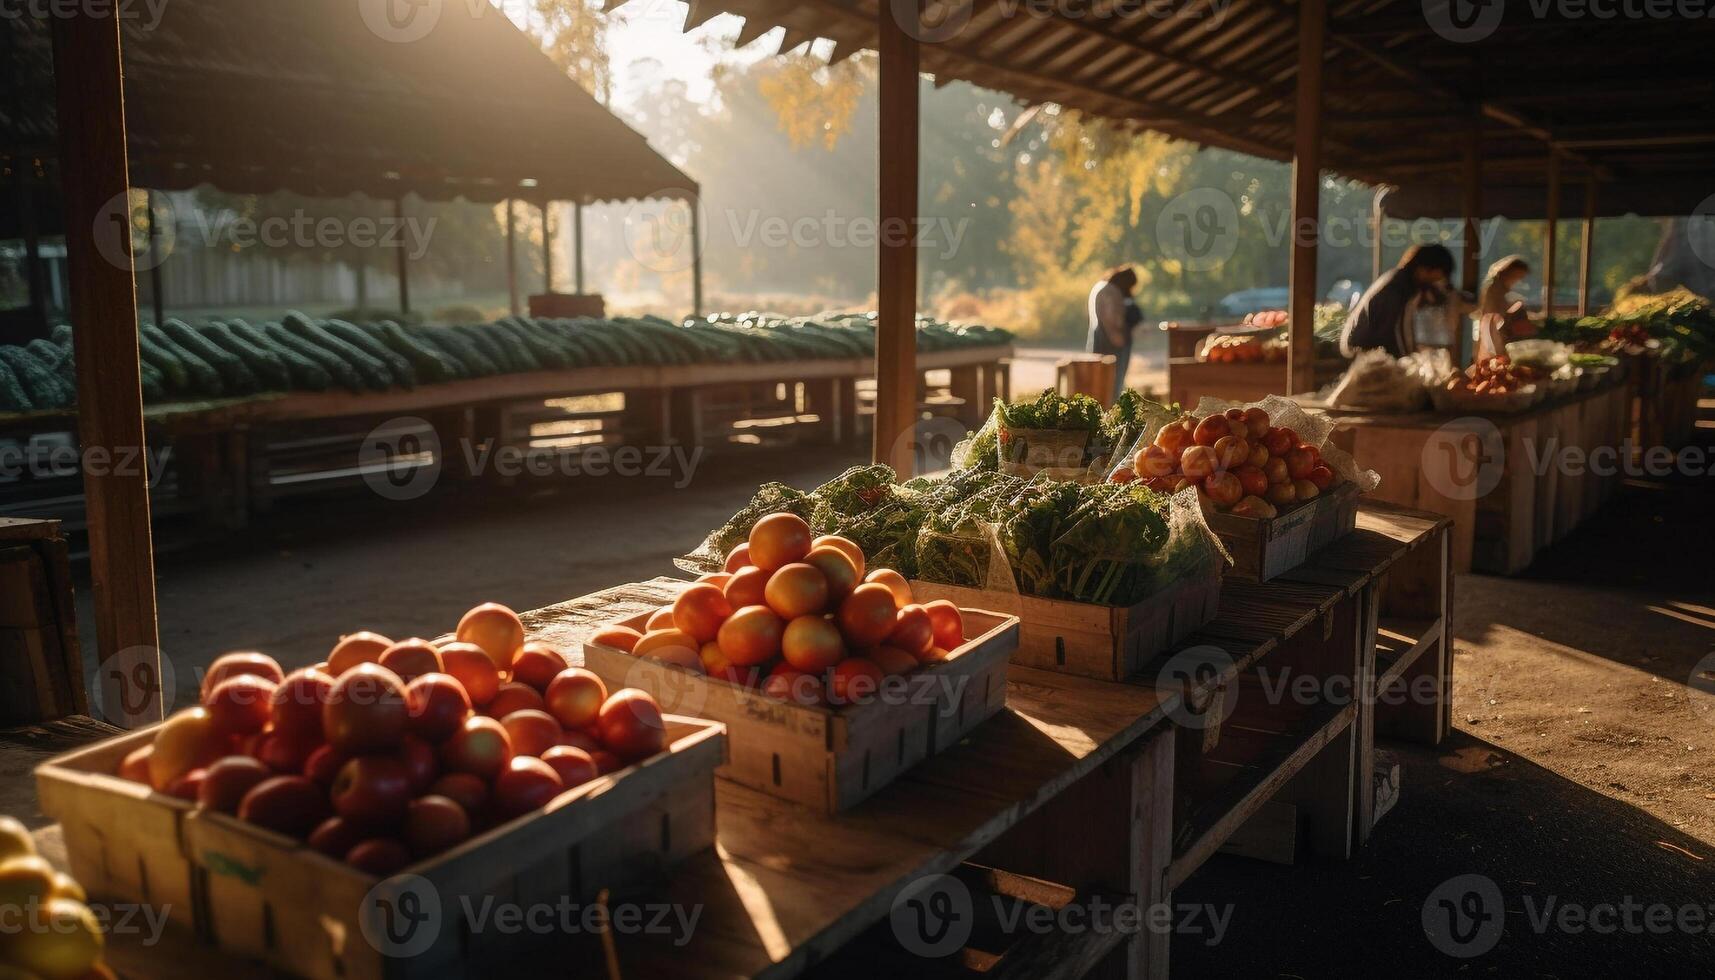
1114,315
1382,317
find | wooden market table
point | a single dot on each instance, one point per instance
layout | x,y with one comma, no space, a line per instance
1081,791
1189,379
1512,483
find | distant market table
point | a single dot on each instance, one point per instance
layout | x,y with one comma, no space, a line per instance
1512,483
1154,781
1189,379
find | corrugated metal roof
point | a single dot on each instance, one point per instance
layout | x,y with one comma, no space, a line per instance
1629,96
327,97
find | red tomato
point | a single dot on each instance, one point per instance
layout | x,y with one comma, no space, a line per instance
356,648
854,680
913,631
738,557
630,725
575,696
836,567
948,623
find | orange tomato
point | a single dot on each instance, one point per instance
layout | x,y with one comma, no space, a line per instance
716,579
947,622
791,684
867,615
747,588
738,557
836,566
661,639
470,666
660,619
357,648
797,590
751,636
846,545
912,630
700,610
1199,461
777,540
895,583
812,644
1175,436
618,637
495,629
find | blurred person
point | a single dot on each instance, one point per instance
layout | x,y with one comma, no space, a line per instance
1500,312
1383,317
1114,315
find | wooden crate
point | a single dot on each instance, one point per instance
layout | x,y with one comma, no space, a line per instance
41,672
1105,642
267,897
833,757
1262,550
121,837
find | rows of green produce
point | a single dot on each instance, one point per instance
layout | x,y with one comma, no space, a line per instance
234,358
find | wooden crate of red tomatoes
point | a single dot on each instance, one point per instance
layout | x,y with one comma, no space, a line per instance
344,820
1267,493
830,677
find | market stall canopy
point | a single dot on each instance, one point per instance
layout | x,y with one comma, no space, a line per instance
329,98
1524,198
1628,97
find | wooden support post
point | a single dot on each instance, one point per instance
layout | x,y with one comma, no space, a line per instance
1550,242
547,250
1471,279
695,204
103,303
1306,198
1587,250
511,258
578,247
157,299
399,255
896,333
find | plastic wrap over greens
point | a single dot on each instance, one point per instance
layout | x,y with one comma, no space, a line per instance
1108,544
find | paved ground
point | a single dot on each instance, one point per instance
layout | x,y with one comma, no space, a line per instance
1580,772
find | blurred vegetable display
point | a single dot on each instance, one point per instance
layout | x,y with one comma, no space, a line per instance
1108,544
232,358
1678,326
1117,427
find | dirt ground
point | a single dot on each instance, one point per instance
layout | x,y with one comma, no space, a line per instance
1581,769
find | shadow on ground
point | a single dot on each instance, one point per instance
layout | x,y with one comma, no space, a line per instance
1469,808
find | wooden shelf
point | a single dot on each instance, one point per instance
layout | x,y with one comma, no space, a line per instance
998,900
1259,752
1399,642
